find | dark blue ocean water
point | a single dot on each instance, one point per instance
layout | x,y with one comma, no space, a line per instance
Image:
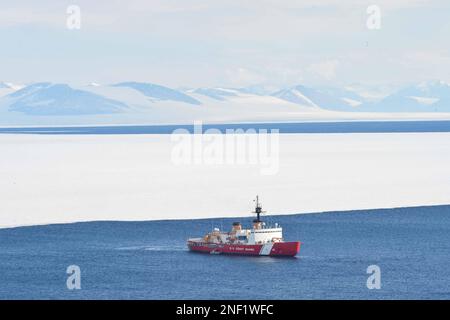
149,260
303,127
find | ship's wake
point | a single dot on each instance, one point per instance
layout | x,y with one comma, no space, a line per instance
155,248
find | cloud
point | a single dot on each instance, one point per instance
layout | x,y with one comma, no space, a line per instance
244,77
435,58
139,12
240,42
324,69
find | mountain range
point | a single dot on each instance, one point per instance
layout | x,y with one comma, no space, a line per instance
161,102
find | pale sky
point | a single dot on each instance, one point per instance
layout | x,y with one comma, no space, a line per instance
195,43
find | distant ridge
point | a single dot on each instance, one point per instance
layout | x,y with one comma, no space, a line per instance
60,99
148,103
159,92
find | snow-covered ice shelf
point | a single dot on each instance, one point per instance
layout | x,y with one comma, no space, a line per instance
67,178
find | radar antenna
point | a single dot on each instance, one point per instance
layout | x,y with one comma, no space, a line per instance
258,209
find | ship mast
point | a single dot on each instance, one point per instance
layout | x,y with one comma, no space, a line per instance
258,210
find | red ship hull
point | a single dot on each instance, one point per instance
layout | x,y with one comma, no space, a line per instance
286,249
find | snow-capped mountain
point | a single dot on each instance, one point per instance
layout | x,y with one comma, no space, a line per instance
60,99
158,92
371,93
9,85
259,90
215,93
222,94
48,103
140,103
325,98
432,96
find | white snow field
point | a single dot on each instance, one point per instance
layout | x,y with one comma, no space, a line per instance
67,178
